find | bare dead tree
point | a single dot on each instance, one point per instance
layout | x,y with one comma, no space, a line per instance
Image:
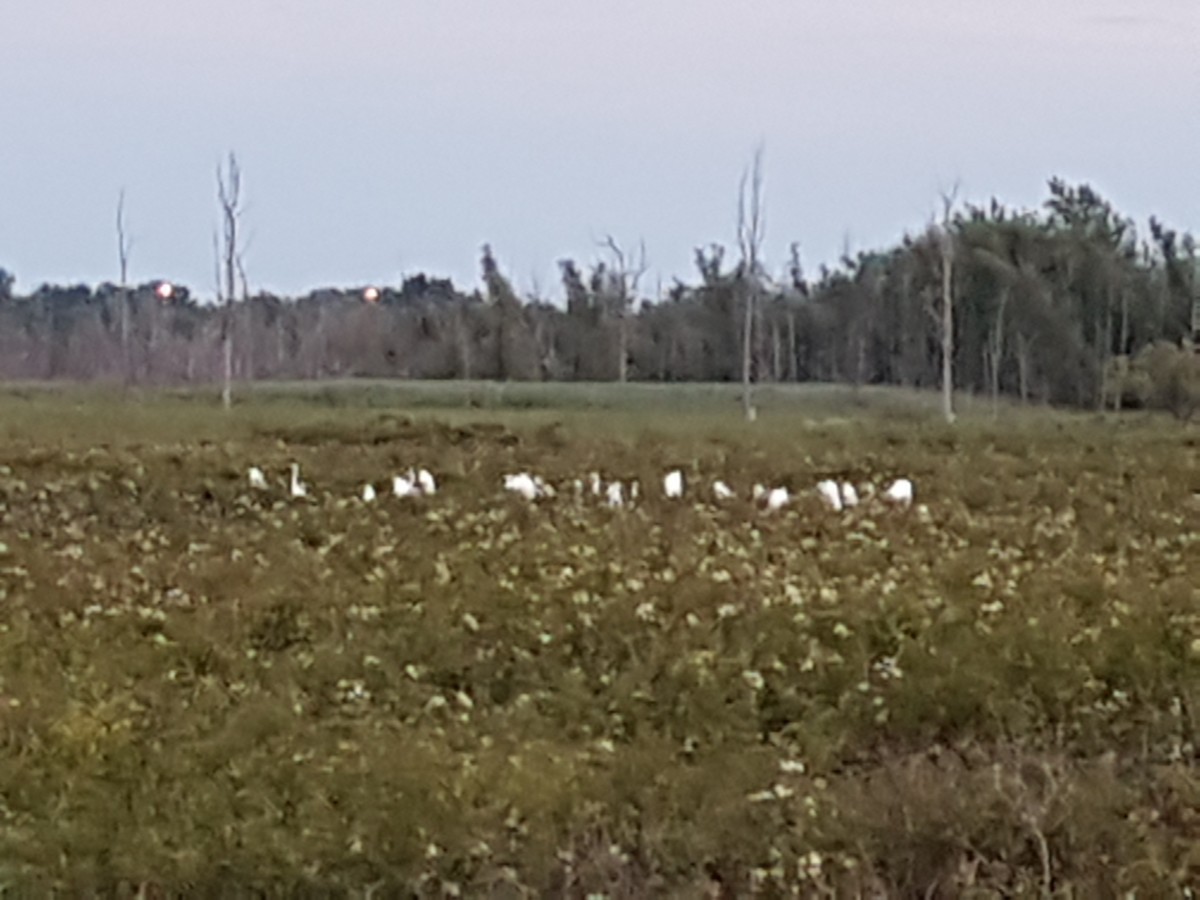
751,227
797,287
124,249
246,367
626,273
947,248
994,349
229,196
1195,309
243,282
941,237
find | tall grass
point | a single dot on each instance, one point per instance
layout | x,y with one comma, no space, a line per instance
211,690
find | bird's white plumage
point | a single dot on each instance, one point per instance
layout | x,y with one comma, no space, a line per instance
830,495
522,483
900,492
777,498
405,485
849,495
615,494
426,482
297,487
833,494
673,484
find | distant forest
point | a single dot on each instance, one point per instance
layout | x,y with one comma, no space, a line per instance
1066,304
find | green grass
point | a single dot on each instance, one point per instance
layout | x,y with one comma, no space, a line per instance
56,412
210,690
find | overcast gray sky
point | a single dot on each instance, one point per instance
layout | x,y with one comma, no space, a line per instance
384,137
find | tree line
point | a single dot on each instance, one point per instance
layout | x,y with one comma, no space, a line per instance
1068,304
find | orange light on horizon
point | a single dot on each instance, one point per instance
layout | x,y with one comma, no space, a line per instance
371,295
165,290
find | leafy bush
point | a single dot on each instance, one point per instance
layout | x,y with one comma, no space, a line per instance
1164,376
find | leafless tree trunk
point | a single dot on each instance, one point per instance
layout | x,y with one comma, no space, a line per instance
751,227
948,328
1123,350
229,195
1195,315
945,242
793,349
244,321
761,364
776,351
626,274
1124,321
322,348
1024,355
124,247
153,327
747,326
995,351
1105,359
226,363
543,339
280,334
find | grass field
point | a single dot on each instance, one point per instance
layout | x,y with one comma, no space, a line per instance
210,690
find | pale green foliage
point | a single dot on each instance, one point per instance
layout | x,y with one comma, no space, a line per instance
1163,376
1173,378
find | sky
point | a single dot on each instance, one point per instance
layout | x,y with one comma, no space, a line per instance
381,138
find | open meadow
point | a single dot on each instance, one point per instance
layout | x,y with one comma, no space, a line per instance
214,690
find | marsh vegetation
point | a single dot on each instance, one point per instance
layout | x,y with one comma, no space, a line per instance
209,689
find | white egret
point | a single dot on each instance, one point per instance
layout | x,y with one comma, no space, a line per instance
522,483
900,492
405,485
830,495
722,491
615,495
849,495
673,484
777,498
258,481
426,482
368,493
298,487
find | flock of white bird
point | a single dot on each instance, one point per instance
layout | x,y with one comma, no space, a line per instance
835,495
